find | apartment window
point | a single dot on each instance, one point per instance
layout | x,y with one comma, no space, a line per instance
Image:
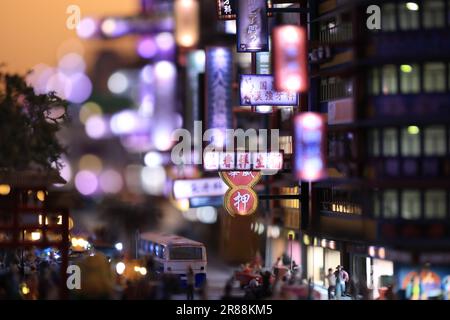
390,145
434,77
411,204
433,14
374,143
435,204
374,83
408,15
410,141
388,17
410,78
434,140
389,79
390,204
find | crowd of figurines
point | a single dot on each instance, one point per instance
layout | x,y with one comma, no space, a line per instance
34,274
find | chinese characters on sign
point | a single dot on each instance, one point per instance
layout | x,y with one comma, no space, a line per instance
310,146
240,199
290,58
226,9
218,89
256,90
206,187
252,26
242,161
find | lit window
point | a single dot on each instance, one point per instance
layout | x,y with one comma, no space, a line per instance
389,79
435,141
388,17
410,141
410,78
435,204
433,14
411,204
390,204
434,77
408,16
390,145
374,86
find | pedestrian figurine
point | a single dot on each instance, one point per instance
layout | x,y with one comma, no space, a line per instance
190,284
331,278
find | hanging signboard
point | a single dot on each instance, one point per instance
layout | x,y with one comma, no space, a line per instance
258,89
310,138
290,58
252,26
219,79
242,161
205,187
240,199
187,27
226,9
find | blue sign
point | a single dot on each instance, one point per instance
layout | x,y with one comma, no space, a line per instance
252,26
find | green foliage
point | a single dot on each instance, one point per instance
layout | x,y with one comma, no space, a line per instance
27,127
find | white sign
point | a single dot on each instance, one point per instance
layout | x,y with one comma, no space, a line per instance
205,187
242,161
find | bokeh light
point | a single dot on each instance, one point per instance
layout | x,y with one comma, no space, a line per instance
90,162
153,180
96,127
89,109
87,28
146,47
110,181
118,83
86,182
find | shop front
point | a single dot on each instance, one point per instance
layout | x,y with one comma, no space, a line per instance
321,255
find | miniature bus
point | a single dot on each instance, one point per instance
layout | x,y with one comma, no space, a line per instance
174,254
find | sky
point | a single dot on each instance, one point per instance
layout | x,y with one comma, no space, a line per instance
34,31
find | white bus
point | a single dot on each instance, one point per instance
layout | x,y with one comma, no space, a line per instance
174,254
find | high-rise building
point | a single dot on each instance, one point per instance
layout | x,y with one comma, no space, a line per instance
383,212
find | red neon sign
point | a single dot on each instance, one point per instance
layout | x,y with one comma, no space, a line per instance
290,58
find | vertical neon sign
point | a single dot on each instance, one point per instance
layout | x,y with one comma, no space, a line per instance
219,72
252,26
310,135
290,58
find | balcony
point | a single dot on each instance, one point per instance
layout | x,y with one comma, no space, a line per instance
336,34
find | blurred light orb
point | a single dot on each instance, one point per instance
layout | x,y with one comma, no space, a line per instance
60,84
165,70
118,83
147,107
71,63
90,162
89,109
146,47
110,181
87,28
207,215
80,88
153,159
153,180
119,246
190,215
412,6
86,182
147,74
5,189
162,139
264,109
165,41
124,122
109,26
96,127
183,204
120,267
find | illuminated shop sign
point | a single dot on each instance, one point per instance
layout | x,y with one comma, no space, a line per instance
206,187
226,9
290,58
240,199
186,22
257,89
310,146
252,26
242,161
219,71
